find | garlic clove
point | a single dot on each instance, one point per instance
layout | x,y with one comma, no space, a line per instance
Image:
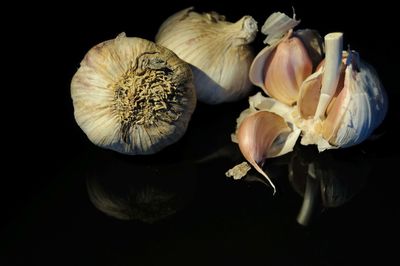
276,27
309,95
217,50
132,96
313,43
257,73
280,68
257,134
263,135
257,103
286,69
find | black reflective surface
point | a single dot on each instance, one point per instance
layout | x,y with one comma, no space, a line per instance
67,202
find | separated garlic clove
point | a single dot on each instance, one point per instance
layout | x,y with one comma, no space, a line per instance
132,96
263,134
259,138
217,50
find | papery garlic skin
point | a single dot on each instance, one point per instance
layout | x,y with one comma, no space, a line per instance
132,96
217,50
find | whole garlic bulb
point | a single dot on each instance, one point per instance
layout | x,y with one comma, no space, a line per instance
132,96
217,50
337,106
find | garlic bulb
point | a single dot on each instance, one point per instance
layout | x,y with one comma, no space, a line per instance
337,106
217,50
132,96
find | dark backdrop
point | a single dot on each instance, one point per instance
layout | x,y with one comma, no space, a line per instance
48,218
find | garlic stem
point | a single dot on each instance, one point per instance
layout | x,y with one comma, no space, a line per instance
248,32
330,79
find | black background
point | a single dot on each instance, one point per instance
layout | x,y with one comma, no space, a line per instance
48,218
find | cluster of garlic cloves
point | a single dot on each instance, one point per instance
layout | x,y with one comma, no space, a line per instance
334,102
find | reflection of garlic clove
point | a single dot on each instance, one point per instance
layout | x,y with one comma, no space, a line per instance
132,96
217,50
327,180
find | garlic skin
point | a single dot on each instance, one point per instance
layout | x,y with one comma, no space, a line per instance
217,50
132,96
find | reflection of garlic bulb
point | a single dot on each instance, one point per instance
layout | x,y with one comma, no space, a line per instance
337,106
132,96
217,50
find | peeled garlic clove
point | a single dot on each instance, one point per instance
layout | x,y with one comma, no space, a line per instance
217,50
262,135
132,96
